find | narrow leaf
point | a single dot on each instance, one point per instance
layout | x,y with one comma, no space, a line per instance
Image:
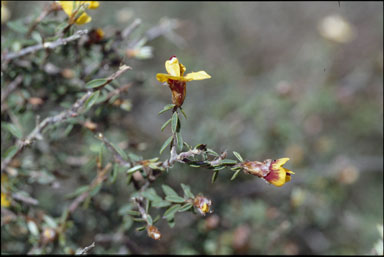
185,207
175,119
166,108
96,83
238,156
15,131
169,214
134,169
120,151
182,111
180,142
214,176
166,143
165,124
235,174
175,199
91,100
168,191
187,191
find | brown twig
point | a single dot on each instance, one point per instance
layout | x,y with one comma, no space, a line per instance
74,111
46,45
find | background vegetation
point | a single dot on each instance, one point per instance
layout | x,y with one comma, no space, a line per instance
298,80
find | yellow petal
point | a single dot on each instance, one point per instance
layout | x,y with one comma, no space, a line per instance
67,7
182,69
4,201
278,179
162,77
173,67
93,4
279,163
84,18
197,76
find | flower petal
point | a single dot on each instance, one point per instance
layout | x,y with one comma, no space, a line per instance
182,69
84,18
197,76
276,177
162,77
67,7
279,162
173,67
93,4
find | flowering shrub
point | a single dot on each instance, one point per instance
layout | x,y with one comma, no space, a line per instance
80,176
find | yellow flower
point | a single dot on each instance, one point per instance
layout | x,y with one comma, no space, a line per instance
5,202
270,170
176,79
71,8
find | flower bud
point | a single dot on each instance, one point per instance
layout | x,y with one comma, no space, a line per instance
202,204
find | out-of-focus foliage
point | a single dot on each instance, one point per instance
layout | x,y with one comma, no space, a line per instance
298,80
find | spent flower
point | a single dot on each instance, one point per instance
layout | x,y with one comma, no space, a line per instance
271,171
176,79
153,232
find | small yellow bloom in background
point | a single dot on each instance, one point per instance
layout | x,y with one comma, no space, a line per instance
176,79
5,202
202,204
271,171
71,8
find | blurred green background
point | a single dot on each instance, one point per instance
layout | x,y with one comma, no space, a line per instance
302,80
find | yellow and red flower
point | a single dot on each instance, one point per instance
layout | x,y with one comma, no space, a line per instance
176,79
72,8
270,170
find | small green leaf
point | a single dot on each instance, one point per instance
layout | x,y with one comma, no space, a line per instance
165,124
166,108
17,26
211,152
139,219
228,161
134,169
185,207
91,100
160,204
214,176
175,199
120,151
175,120
238,156
187,191
166,143
15,131
141,228
11,151
151,195
169,214
235,174
168,191
182,111
133,213
96,83
180,142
